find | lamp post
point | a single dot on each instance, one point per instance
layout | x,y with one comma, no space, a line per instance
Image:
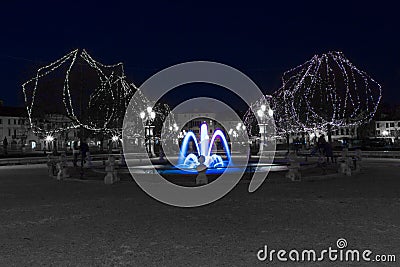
115,139
49,139
148,117
233,134
264,115
175,140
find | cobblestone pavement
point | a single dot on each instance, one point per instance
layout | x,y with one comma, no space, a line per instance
44,222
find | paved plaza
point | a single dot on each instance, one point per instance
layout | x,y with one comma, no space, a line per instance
71,223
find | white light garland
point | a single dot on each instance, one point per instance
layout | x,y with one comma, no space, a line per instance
260,108
329,91
106,105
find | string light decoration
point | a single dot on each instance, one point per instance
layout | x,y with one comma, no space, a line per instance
281,105
142,115
262,109
326,92
100,108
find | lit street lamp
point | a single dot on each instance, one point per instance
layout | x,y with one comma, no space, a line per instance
148,117
264,115
49,139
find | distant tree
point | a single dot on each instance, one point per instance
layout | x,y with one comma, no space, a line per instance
76,91
328,91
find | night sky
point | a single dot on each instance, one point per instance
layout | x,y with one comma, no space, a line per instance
260,40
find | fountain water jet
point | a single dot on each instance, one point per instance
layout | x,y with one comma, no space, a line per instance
205,149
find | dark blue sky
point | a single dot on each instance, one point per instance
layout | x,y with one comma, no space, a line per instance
262,40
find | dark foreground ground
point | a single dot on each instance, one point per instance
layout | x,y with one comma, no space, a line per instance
44,222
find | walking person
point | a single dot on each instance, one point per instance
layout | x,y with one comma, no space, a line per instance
75,152
329,152
84,150
321,144
5,145
161,153
109,146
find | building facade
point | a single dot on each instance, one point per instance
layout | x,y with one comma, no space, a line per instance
387,129
193,121
15,128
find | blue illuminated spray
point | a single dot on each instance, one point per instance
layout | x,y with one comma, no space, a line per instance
205,149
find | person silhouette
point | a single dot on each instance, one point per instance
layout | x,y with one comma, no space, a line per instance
5,145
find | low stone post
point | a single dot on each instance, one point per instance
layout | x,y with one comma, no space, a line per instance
62,171
293,168
111,171
201,178
51,166
345,163
357,160
89,159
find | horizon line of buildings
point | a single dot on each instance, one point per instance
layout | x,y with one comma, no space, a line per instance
14,126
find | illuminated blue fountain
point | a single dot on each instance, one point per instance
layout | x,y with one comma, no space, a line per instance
204,149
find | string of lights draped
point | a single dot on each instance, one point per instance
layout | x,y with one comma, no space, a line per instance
105,107
141,116
328,91
281,105
263,110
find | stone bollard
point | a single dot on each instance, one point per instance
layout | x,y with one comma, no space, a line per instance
111,171
293,169
344,168
357,160
51,165
345,163
89,159
201,178
62,171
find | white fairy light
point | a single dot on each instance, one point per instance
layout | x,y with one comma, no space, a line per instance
102,117
329,91
256,115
